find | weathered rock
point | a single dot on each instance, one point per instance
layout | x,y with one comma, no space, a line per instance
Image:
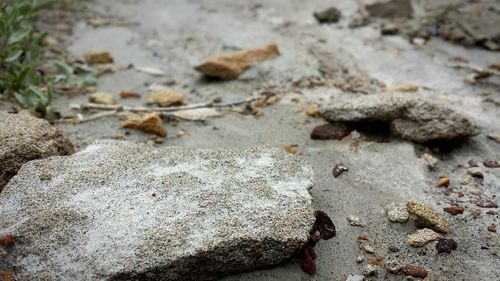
121,211
454,210
430,160
149,123
390,29
369,270
443,181
230,66
165,97
102,98
391,9
355,278
427,217
330,15
98,57
393,266
24,138
410,118
397,212
422,237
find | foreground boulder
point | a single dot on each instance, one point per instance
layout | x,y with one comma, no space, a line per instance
24,138
119,211
410,118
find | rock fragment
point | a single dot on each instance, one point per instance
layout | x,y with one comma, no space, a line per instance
491,164
492,228
98,57
405,88
7,241
230,66
454,210
336,131
214,212
165,97
430,160
391,9
446,245
422,237
102,98
410,118
389,29
443,181
393,266
369,270
149,123
426,217
24,138
355,221
339,169
330,15
355,278
397,212
415,271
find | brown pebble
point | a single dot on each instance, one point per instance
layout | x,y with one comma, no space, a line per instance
362,237
415,271
492,228
491,164
7,241
339,169
454,210
443,181
446,245
45,176
323,228
335,131
308,264
373,261
460,194
6,276
477,175
472,163
393,249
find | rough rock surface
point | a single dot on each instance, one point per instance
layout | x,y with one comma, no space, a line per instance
422,237
396,212
427,217
24,138
121,211
410,118
230,66
149,123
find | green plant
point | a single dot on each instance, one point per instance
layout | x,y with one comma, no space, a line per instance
20,54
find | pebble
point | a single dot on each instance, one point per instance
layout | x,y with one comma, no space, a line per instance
335,131
415,271
330,15
98,57
397,212
355,221
355,278
422,237
393,266
360,259
443,181
149,123
492,228
427,217
390,29
339,169
102,98
446,245
430,160
454,210
165,97
369,270
7,241
393,249
368,248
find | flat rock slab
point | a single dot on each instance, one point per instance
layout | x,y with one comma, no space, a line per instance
120,211
410,118
24,138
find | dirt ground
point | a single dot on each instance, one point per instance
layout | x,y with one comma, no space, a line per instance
177,35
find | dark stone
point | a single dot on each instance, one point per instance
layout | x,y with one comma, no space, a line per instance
446,245
330,15
336,131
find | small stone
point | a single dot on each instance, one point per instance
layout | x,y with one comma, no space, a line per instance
330,15
494,136
6,276
339,169
312,110
477,174
355,278
45,176
472,163
290,149
165,97
430,160
360,259
405,88
368,248
369,270
443,181
446,245
397,212
102,98
454,210
373,261
49,41
415,271
393,266
422,237
336,131
491,164
7,241
149,123
354,221
389,29
230,66
427,217
98,57
492,228
393,249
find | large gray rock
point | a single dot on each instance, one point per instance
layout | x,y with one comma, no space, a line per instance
24,138
410,118
118,211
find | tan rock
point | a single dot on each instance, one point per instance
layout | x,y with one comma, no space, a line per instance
422,237
102,98
405,88
165,97
443,181
427,217
230,66
149,123
430,160
98,57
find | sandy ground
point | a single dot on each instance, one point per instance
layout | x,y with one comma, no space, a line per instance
177,35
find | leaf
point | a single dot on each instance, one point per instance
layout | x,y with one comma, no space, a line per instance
14,56
64,68
18,36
